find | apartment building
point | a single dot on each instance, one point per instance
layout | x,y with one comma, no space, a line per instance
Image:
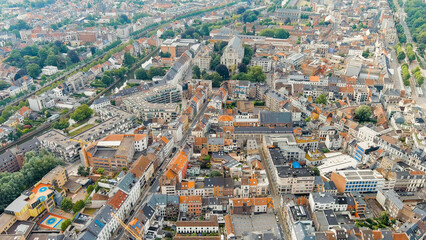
274,101
115,151
323,200
265,63
158,101
13,159
191,205
288,179
102,226
392,203
408,181
59,144
358,180
56,177
202,59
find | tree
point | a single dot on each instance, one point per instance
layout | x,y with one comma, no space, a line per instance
287,21
61,124
249,16
215,173
321,99
33,70
81,113
141,74
196,72
51,60
4,84
107,79
165,55
168,34
78,206
363,113
248,53
400,55
82,171
275,33
36,165
129,60
223,71
73,56
325,150
366,53
242,67
384,218
215,61
241,10
100,171
281,33
267,32
42,54
316,171
256,74
156,71
65,224
66,204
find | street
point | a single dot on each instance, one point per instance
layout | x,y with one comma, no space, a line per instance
148,190
279,209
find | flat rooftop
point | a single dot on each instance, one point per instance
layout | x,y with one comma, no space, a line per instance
244,224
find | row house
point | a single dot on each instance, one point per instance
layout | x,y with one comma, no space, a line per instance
189,227
219,187
324,200
166,206
191,205
247,206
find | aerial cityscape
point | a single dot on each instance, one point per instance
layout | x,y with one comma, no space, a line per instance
212,119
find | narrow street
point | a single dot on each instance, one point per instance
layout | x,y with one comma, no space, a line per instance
148,190
279,208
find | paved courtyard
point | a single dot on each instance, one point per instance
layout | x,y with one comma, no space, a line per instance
245,224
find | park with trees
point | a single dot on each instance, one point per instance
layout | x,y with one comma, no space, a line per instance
416,21
36,165
34,57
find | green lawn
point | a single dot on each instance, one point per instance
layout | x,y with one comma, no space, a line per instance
80,130
89,211
77,124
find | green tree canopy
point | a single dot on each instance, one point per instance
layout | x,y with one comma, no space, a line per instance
363,113
4,85
65,224
100,171
321,99
223,71
275,33
141,74
66,204
61,124
81,113
73,56
33,70
78,206
196,72
107,79
156,71
36,165
242,67
82,171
